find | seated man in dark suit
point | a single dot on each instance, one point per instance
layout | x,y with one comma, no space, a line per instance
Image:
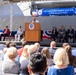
70,34
61,34
5,33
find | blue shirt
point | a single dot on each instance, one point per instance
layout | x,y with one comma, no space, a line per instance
56,71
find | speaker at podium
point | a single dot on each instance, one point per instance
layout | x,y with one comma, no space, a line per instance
32,32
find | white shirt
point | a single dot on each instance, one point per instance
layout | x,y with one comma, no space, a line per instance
19,32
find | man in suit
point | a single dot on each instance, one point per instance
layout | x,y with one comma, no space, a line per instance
70,34
61,34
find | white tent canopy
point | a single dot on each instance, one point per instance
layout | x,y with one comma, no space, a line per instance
14,12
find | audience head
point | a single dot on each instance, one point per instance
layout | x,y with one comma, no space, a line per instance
32,49
25,51
8,44
61,57
65,44
24,43
69,50
37,63
12,52
53,44
45,51
13,44
38,46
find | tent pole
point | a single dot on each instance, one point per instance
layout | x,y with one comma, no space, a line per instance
11,16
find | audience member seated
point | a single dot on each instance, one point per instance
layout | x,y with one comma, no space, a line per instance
21,49
61,66
7,46
5,33
24,60
12,44
10,66
52,48
1,60
61,34
72,59
37,64
32,49
18,34
45,51
38,46
70,34
64,45
54,34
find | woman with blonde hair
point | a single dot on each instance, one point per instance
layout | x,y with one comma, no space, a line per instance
38,46
10,66
45,51
24,59
61,66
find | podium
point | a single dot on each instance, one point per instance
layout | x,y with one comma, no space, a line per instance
32,32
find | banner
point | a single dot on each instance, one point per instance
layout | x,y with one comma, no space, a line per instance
56,11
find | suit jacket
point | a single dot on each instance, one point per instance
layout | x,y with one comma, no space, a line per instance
55,33
70,31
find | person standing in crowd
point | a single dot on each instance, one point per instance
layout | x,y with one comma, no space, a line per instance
19,34
37,64
61,66
5,33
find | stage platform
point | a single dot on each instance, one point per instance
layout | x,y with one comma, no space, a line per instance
44,42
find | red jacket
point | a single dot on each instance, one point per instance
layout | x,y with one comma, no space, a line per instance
7,32
20,51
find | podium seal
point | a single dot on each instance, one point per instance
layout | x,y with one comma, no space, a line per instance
31,26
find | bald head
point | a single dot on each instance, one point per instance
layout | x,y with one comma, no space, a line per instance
53,44
32,49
